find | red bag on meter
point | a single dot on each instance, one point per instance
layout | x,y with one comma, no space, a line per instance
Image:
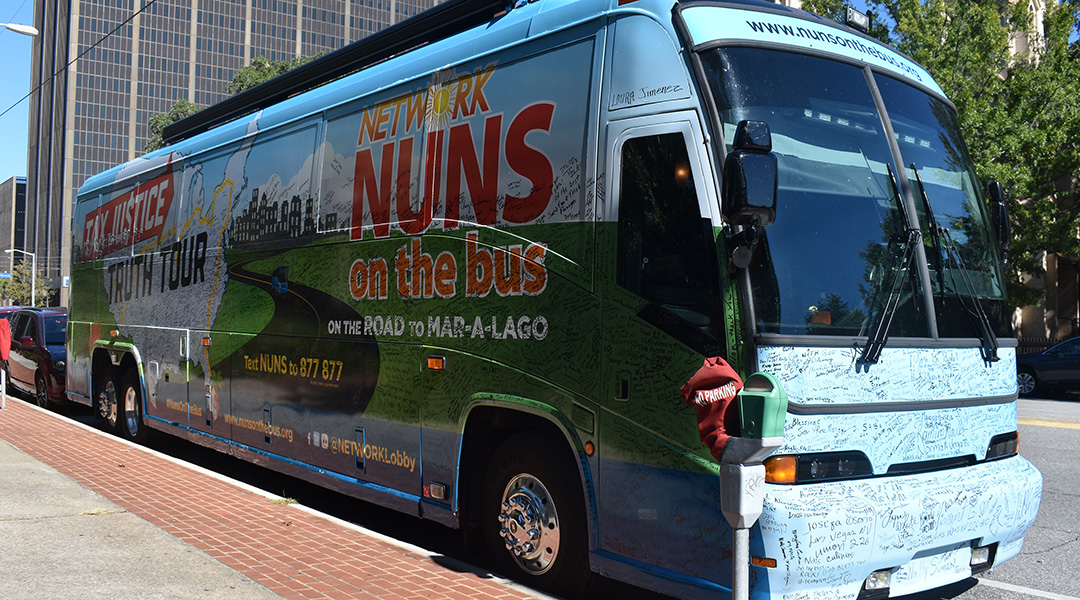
711,391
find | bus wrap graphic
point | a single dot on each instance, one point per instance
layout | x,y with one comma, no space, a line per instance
395,144
130,218
474,275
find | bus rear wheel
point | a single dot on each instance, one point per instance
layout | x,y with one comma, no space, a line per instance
132,426
108,404
534,517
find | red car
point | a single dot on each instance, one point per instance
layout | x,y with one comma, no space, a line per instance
36,365
7,311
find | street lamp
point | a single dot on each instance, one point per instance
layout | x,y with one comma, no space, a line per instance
33,271
19,28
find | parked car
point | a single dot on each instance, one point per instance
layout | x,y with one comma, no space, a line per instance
36,365
7,311
1051,371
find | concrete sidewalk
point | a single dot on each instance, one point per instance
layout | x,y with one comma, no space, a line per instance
59,539
86,515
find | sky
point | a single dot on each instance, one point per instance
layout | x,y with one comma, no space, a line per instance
15,52
15,56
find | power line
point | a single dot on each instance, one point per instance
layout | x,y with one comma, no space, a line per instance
15,13
81,54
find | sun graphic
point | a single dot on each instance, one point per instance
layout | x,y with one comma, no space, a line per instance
441,94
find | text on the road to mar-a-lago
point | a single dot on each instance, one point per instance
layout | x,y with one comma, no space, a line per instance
523,327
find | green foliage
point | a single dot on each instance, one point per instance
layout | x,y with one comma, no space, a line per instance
1019,111
261,70
18,288
158,123
837,10
257,72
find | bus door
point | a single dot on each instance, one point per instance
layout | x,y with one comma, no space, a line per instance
658,488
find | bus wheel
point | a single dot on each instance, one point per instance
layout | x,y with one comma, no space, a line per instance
534,518
132,426
108,406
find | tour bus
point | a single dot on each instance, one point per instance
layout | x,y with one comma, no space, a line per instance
461,269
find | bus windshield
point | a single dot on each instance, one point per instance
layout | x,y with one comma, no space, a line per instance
965,262
829,263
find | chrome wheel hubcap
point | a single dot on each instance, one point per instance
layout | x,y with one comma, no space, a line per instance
130,413
530,524
107,403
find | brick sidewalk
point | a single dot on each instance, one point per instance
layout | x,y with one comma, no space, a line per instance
291,551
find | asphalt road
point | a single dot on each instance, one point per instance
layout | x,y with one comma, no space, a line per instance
1046,568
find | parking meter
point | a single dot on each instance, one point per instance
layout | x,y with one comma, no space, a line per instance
717,393
762,407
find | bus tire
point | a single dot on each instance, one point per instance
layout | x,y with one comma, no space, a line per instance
534,519
108,403
132,425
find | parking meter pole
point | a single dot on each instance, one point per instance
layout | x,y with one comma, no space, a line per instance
742,494
740,587
762,408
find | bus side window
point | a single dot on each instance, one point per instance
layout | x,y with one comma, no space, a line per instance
666,252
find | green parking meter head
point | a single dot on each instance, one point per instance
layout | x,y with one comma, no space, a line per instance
762,407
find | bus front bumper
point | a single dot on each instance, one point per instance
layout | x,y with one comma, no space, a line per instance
827,538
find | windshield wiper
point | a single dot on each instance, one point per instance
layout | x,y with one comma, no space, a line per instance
943,243
880,330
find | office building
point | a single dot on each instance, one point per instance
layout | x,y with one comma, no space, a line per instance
102,68
12,221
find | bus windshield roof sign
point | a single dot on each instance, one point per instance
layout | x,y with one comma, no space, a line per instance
709,24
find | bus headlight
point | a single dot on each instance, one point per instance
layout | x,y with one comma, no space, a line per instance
810,468
876,586
982,557
1004,445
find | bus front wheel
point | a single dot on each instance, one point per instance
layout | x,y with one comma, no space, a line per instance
534,518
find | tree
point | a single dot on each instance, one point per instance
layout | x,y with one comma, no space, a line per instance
249,76
158,123
1019,111
261,70
18,288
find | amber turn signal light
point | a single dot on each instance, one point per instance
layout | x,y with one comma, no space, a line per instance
780,469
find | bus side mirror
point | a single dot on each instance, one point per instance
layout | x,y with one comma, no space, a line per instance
999,215
749,190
